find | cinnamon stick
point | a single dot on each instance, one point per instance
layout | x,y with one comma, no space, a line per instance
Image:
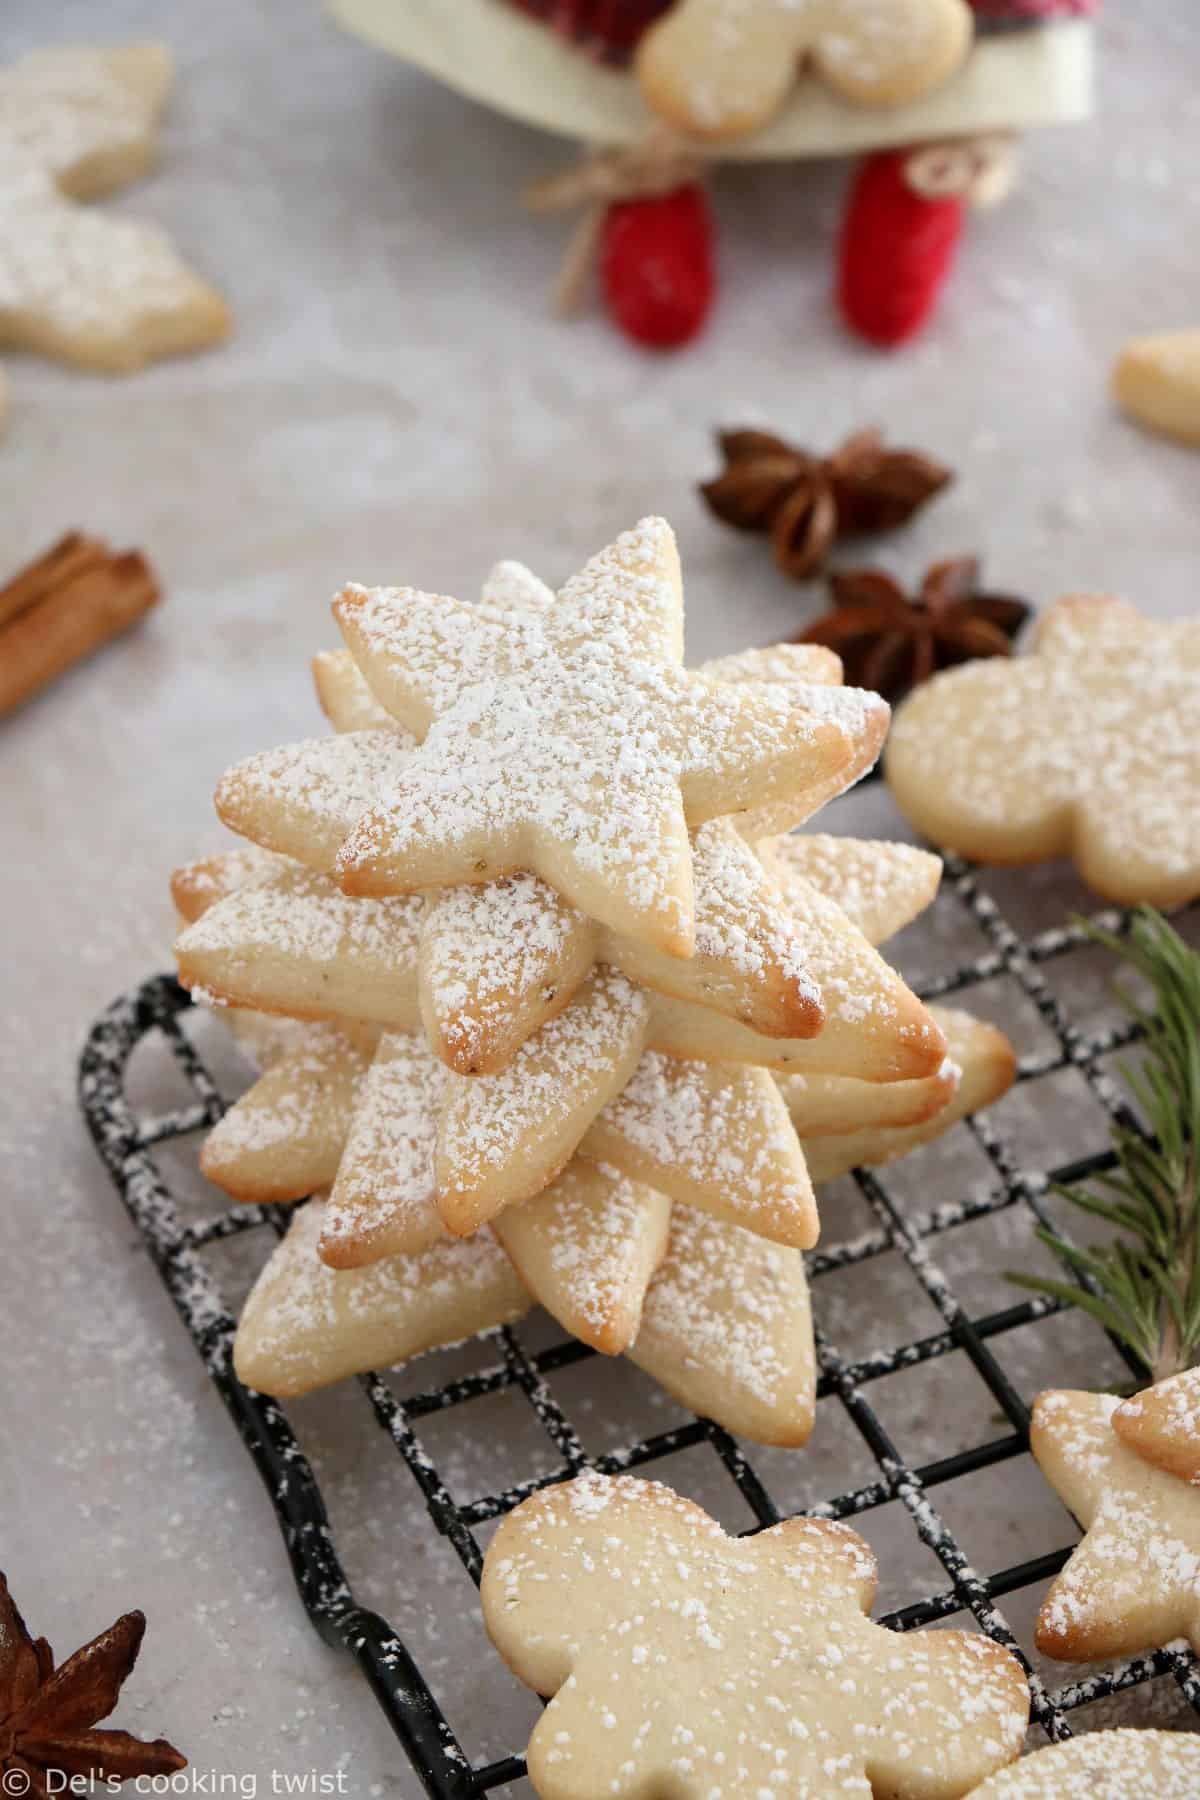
63,607
72,554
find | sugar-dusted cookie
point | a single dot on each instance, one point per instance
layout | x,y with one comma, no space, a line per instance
714,1137
1163,1424
1131,1585
342,690
1087,747
383,1200
726,1328
781,663
498,959
501,957
1157,381
721,68
302,799
292,942
305,1325
571,742
196,886
503,1137
852,1124
1104,1765
811,664
284,1138
85,286
684,1662
586,1248
875,1027
881,887
345,698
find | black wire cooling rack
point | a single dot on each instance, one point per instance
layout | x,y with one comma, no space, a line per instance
127,1144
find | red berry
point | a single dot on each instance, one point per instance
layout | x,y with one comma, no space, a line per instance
656,266
608,29
896,251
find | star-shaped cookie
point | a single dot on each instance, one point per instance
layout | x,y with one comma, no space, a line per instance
499,958
726,1329
86,286
720,68
305,1325
572,743
680,1661
1163,1424
1133,1584
1086,747
717,1135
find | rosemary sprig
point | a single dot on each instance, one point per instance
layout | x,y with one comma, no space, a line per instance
1145,1285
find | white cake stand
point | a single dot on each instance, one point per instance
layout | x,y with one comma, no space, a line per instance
493,53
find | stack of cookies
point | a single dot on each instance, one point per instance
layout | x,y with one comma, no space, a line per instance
547,1005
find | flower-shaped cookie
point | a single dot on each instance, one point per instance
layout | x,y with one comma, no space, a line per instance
1133,1584
720,68
1087,747
76,283
688,1663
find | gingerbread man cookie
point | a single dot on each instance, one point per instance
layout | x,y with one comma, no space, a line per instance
688,1663
720,68
1086,748
77,284
1133,1584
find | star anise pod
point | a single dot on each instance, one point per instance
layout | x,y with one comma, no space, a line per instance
891,641
47,1715
805,503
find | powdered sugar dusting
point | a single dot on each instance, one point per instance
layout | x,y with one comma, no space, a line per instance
715,1134
730,1304
879,886
606,1591
1139,1563
385,1192
1088,746
1104,1765
569,740
295,940
82,281
303,799
488,1118
487,951
587,1247
306,1324
1163,1423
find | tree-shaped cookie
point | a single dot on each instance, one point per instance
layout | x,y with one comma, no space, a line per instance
720,68
688,1663
1133,1584
77,283
1086,748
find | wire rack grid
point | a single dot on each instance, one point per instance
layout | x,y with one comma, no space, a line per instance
127,1144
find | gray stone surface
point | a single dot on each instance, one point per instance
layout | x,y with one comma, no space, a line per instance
396,404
